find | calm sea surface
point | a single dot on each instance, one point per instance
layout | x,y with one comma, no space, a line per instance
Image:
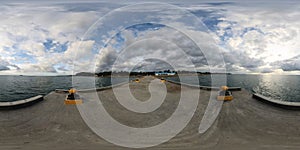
281,87
21,87
13,88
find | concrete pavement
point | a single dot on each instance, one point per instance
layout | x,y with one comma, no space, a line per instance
243,123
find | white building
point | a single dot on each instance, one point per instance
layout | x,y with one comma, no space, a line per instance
165,73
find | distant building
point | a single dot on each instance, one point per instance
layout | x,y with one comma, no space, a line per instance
165,73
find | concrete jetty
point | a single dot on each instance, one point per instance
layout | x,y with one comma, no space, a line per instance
244,123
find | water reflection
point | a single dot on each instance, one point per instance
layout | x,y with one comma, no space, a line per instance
276,86
280,87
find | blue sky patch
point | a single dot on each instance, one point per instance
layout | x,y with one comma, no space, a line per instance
145,26
55,47
136,30
22,57
210,18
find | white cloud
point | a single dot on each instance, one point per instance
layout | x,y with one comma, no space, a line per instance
261,34
24,29
164,44
257,37
5,65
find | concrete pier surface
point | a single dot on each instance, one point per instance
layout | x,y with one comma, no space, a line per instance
244,123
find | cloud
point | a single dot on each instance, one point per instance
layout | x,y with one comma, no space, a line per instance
2,68
250,43
238,58
292,64
106,59
259,37
38,37
165,45
256,35
5,65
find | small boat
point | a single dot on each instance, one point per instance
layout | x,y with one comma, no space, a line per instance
224,94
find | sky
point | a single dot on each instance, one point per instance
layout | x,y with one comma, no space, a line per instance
66,37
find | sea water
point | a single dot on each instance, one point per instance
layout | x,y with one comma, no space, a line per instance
281,87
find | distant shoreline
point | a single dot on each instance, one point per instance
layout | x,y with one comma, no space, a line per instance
120,75
136,74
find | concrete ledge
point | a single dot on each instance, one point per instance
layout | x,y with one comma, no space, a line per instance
271,101
208,88
235,88
21,103
61,91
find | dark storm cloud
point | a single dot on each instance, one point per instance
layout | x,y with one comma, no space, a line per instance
4,65
2,68
164,44
241,60
292,64
152,65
